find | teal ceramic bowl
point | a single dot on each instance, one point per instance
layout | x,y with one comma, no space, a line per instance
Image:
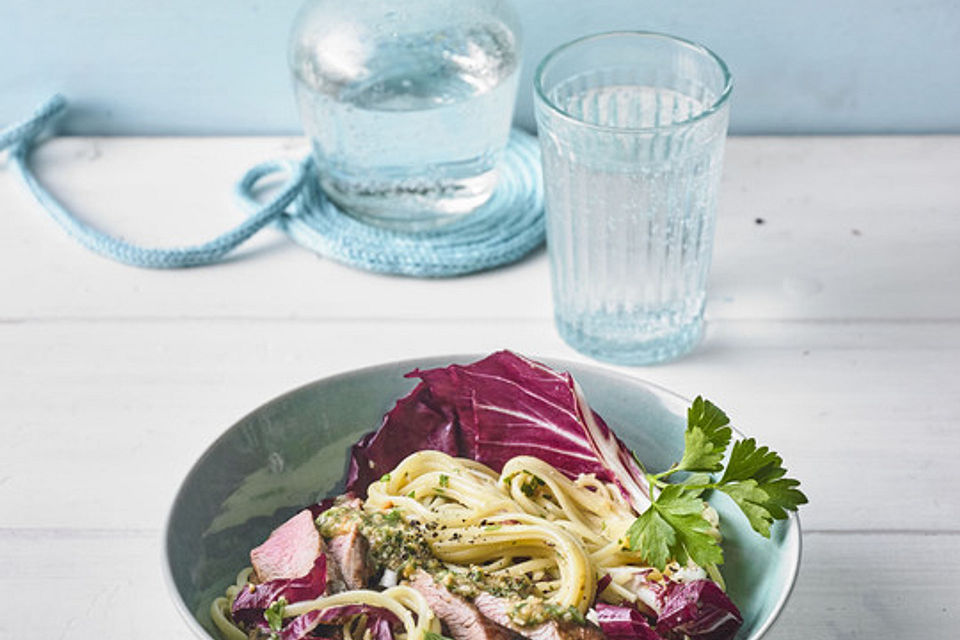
293,450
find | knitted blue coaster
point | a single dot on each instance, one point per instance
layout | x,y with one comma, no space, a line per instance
503,230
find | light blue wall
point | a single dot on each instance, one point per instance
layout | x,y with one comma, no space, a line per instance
218,66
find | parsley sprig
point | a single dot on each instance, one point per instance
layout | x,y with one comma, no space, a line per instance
674,526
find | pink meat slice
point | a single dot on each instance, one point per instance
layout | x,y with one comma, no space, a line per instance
461,620
348,552
290,551
496,609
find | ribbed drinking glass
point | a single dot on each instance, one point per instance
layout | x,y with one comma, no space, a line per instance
632,127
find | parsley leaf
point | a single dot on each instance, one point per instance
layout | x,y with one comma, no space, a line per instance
674,526
696,483
754,479
749,461
653,537
783,496
432,635
274,614
750,498
706,437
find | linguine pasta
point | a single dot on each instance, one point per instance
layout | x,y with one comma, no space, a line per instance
528,524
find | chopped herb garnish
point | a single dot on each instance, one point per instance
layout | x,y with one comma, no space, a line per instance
530,487
274,614
444,480
385,477
393,516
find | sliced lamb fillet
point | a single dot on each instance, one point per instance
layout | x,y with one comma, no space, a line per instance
460,618
554,630
348,553
335,581
496,609
289,552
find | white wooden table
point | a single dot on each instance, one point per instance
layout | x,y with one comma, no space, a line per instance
834,336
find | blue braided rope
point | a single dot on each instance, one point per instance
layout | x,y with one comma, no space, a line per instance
505,229
22,138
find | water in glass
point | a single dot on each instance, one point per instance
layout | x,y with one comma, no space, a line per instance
408,120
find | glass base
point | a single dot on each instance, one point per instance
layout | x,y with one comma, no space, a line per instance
413,204
655,349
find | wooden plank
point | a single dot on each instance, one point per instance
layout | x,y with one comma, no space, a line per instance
108,584
874,586
88,584
853,227
102,419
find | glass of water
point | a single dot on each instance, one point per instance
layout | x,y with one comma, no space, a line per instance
407,103
632,127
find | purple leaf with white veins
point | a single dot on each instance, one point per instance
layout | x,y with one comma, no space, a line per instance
699,610
514,406
502,406
623,623
380,621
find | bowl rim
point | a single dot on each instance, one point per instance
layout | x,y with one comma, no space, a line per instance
793,519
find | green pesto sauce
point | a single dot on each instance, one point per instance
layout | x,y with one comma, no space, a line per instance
534,610
404,546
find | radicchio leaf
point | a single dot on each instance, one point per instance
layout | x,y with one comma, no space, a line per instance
415,423
699,610
603,582
339,615
323,505
380,621
249,605
301,626
495,409
624,623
